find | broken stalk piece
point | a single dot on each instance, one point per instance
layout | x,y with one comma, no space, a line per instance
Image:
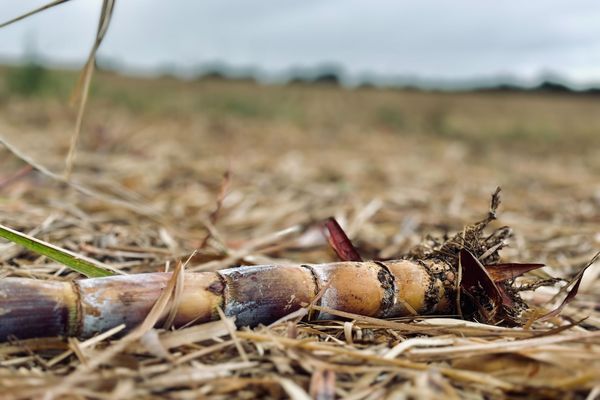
254,295
422,284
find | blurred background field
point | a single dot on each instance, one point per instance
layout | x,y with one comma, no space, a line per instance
303,151
541,119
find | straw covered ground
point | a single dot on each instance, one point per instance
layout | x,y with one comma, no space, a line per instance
392,166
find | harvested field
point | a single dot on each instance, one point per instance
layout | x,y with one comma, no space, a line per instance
392,166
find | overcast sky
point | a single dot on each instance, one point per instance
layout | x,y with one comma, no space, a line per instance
458,39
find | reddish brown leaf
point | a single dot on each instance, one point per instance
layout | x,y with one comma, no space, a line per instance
504,272
339,242
475,278
573,292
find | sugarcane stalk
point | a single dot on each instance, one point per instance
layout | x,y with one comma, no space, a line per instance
441,278
253,294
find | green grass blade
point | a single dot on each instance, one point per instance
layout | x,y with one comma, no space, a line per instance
81,264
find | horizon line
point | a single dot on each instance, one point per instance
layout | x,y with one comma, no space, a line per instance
323,73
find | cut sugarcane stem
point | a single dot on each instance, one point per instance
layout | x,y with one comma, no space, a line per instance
254,295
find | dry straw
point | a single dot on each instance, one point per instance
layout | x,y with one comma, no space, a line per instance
81,93
390,192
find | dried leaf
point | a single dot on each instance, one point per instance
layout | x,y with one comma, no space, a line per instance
573,292
506,271
339,241
214,215
81,91
475,279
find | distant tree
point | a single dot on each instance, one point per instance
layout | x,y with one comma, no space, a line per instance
327,78
27,80
213,75
298,80
548,86
592,91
